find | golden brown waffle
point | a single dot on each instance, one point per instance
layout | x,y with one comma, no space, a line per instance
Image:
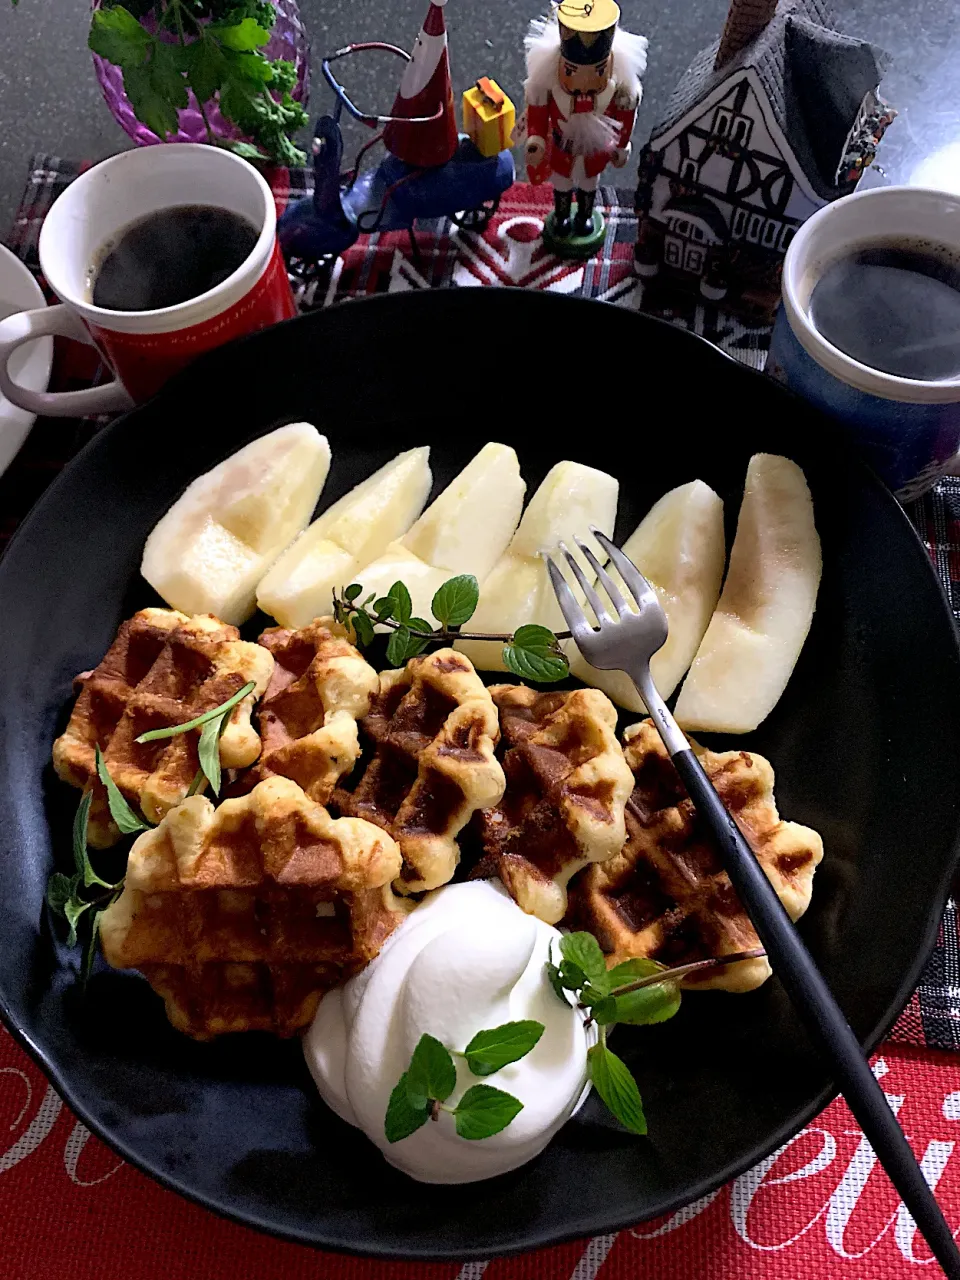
432,731
320,687
163,669
666,896
241,917
567,784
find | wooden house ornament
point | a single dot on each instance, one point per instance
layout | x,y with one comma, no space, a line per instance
773,120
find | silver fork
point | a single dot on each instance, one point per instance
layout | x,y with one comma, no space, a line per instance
626,643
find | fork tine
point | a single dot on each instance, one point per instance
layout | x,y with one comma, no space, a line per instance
575,618
636,583
616,599
596,604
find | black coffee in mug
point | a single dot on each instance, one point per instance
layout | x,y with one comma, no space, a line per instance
894,307
169,257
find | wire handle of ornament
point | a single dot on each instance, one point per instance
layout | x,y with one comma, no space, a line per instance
368,117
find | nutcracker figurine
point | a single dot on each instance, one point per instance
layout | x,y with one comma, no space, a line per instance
582,92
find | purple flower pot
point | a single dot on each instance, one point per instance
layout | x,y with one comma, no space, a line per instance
288,40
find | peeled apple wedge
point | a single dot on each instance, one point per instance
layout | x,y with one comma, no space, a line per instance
517,590
465,530
352,532
207,554
755,636
679,547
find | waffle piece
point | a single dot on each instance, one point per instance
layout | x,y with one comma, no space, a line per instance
241,917
666,896
567,784
320,687
162,669
432,729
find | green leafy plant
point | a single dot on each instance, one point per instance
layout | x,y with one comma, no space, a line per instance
423,1089
166,47
531,652
69,896
638,992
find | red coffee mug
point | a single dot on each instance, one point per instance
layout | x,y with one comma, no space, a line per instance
145,347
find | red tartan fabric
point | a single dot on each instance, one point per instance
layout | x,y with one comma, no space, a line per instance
819,1207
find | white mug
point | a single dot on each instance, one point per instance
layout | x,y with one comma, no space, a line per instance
145,347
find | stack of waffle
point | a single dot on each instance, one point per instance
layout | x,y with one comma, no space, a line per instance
358,787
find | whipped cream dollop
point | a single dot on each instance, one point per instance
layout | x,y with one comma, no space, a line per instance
466,960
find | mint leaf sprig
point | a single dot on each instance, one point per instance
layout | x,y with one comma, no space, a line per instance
213,48
423,1089
638,992
69,896
212,723
531,652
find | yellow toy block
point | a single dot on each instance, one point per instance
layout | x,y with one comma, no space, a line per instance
488,117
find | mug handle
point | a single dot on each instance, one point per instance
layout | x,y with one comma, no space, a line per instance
24,326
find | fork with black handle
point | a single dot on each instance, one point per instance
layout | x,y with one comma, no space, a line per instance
627,642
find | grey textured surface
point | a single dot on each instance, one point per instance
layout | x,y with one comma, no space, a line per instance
50,101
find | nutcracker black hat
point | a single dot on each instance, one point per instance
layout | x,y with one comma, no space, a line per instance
587,28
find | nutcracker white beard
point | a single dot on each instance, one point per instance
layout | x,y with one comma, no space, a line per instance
589,132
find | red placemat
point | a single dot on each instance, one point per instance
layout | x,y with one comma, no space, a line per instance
818,1206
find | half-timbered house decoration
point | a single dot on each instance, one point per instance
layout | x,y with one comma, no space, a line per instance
773,120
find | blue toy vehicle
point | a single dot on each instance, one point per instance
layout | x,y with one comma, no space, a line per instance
391,197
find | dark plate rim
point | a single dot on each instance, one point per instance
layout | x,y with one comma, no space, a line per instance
536,1239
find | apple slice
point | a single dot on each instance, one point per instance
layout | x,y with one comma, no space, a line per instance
209,551
517,590
464,530
755,636
679,547
355,530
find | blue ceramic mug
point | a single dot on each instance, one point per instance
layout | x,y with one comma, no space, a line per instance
908,430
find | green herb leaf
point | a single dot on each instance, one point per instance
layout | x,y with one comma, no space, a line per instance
73,910
90,948
206,67
431,1073
60,889
403,1117
572,976
150,105
397,647
214,713
402,604
651,1004
208,750
583,950
245,150
484,1111
633,971
603,1010
384,607
116,35
80,821
121,812
488,1051
353,591
363,628
455,602
617,1087
534,654
553,977
243,36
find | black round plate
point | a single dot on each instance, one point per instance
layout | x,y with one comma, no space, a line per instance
865,743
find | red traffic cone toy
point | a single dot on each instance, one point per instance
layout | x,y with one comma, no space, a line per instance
425,90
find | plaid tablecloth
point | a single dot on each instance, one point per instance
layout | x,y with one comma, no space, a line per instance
818,1206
